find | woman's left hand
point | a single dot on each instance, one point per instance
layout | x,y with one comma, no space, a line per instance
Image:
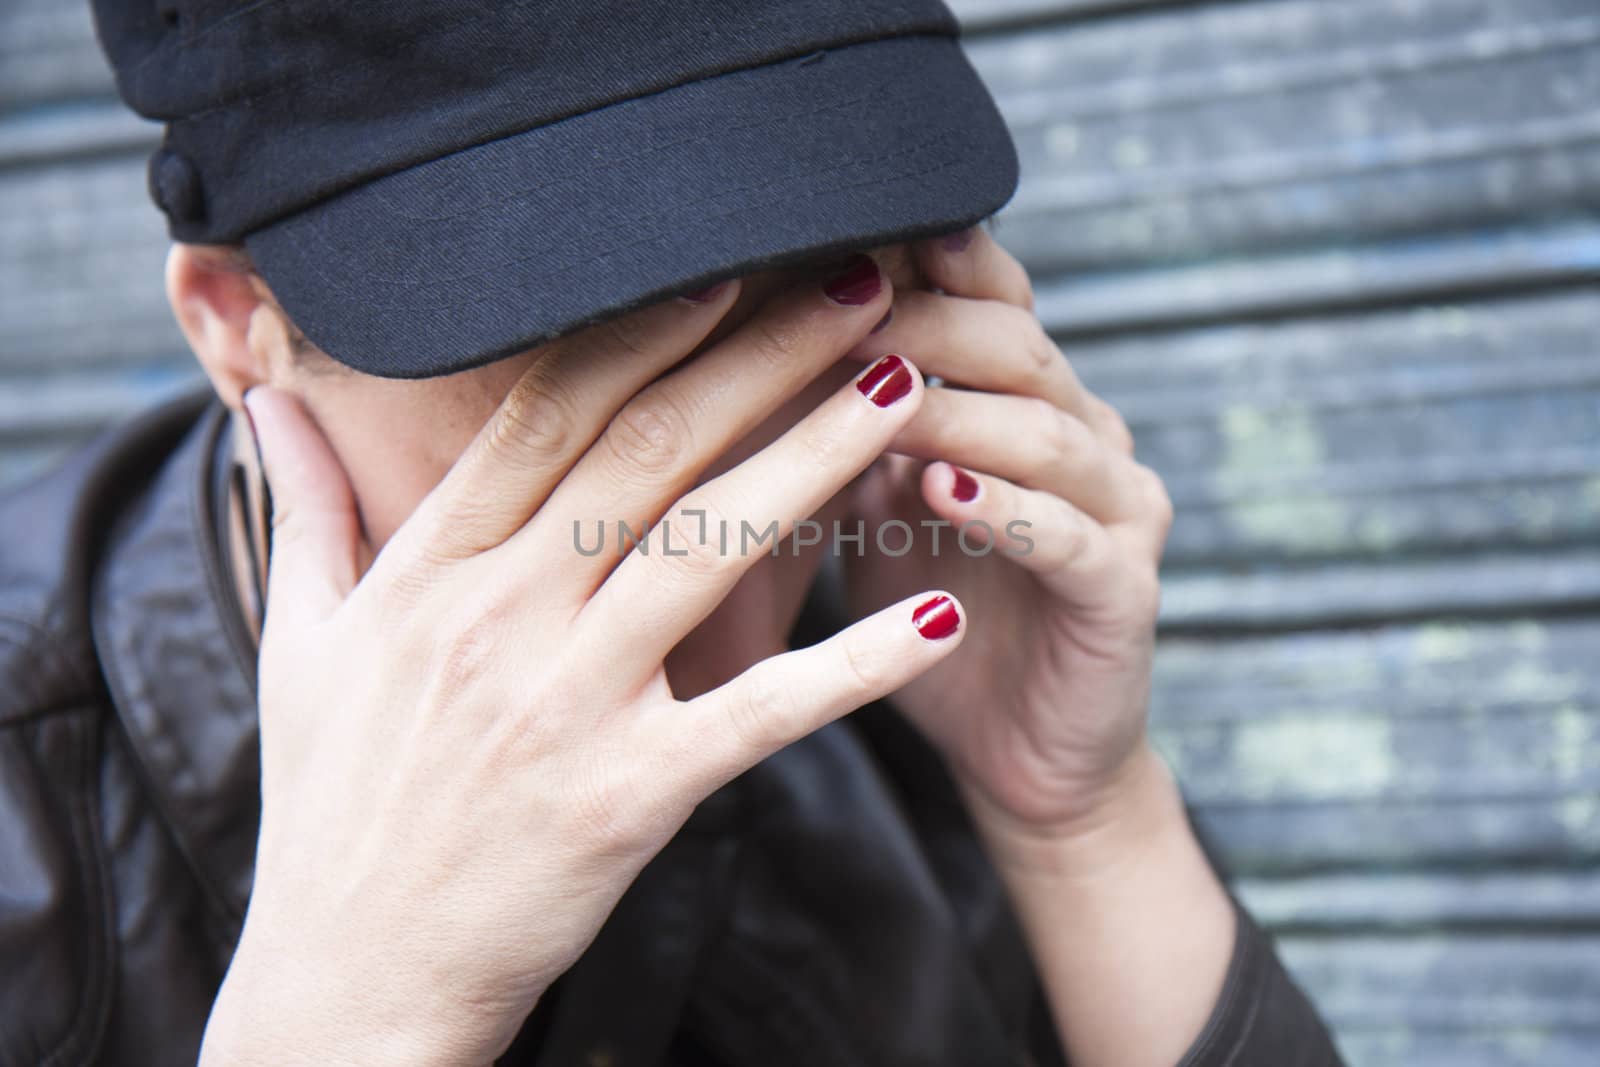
1041,714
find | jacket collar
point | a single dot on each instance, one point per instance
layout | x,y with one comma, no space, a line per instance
180,665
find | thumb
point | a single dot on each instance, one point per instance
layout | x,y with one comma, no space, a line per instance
316,531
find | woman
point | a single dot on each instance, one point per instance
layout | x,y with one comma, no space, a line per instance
550,769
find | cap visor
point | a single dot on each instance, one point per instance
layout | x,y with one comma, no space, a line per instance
497,248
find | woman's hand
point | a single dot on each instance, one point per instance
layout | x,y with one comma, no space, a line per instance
1042,714
470,751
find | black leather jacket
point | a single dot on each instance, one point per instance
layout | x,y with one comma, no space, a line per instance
830,907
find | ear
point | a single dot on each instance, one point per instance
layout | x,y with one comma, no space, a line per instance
227,316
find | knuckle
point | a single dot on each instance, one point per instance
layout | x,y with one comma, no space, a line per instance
1073,543
398,589
755,719
1051,451
1043,356
609,808
1159,500
474,526
701,558
1035,359
1024,290
1060,433
431,559
868,671
696,548
628,335
650,436
1144,593
776,340
1116,426
536,420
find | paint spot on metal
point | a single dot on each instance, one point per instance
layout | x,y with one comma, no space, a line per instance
1580,817
1442,641
1062,140
1131,153
1269,470
1315,758
1574,742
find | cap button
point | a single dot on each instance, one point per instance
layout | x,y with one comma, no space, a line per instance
175,186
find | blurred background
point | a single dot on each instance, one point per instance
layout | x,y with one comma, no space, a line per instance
1336,260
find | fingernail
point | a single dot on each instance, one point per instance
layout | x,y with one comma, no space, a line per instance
857,283
957,242
888,380
883,322
937,618
706,295
966,487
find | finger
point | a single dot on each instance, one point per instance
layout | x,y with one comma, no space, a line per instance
316,530
1073,556
980,344
972,264
995,347
661,442
782,699
1031,442
718,531
551,416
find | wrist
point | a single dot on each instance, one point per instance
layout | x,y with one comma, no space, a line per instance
281,1007
1131,929
1137,812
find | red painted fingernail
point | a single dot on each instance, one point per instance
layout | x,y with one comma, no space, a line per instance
937,618
957,242
857,283
883,322
966,487
706,295
888,380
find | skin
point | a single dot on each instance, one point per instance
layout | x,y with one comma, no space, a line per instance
415,764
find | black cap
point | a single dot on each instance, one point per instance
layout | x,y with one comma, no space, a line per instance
429,185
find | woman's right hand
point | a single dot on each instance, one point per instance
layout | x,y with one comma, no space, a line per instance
470,751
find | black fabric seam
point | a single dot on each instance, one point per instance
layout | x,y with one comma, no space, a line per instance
184,40
800,52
